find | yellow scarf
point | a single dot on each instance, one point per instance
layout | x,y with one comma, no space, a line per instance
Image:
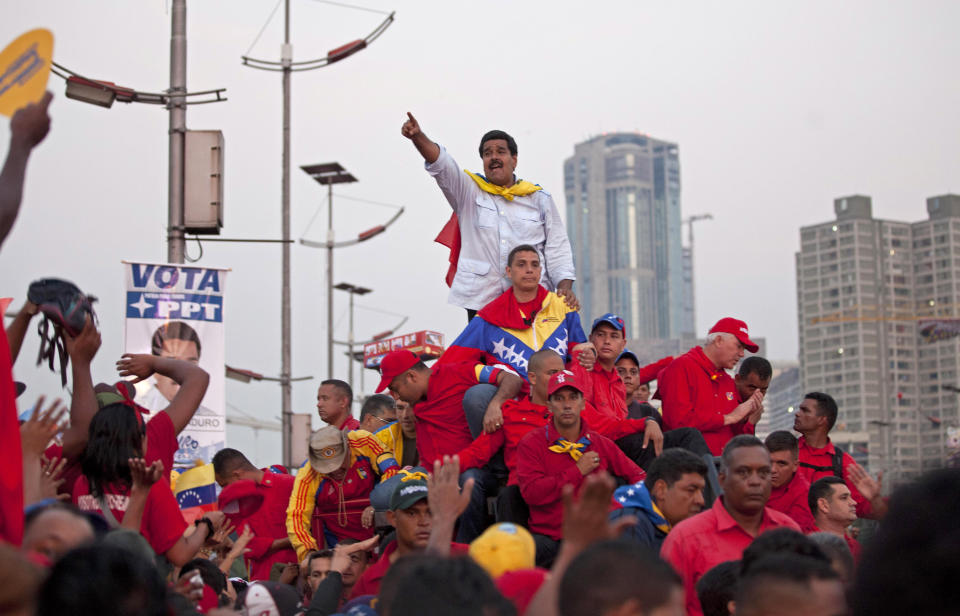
413,476
520,189
574,449
665,526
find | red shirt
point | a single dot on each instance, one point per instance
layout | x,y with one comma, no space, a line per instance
606,391
852,543
791,499
161,445
699,543
519,418
340,505
697,394
162,523
350,424
824,457
441,424
369,582
268,524
11,455
542,473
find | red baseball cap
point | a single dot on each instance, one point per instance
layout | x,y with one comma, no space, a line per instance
394,364
562,379
240,500
738,328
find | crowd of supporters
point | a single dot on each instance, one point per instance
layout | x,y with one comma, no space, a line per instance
525,472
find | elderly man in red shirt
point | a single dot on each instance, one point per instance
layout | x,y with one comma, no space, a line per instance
814,419
437,397
698,393
790,488
721,533
560,453
270,543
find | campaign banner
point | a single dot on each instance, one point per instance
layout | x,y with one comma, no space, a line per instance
426,344
934,330
177,311
24,70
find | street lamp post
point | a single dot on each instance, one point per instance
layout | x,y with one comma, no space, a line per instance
328,174
352,290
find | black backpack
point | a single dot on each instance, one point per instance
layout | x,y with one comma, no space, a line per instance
65,307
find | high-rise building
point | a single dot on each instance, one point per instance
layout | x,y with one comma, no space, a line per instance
877,303
623,218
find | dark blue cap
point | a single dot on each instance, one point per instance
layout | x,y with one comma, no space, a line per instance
629,355
611,319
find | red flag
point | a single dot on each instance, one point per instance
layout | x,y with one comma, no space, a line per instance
449,236
11,458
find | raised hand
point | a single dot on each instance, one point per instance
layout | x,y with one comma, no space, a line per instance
585,520
869,487
36,432
342,553
446,499
84,346
138,365
240,545
410,128
50,480
30,124
142,475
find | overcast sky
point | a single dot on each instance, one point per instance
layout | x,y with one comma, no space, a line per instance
778,108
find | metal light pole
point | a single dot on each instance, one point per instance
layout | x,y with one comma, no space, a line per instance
286,389
287,66
352,290
178,127
328,174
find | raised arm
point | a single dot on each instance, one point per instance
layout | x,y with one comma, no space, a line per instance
28,127
557,254
83,402
192,380
427,148
18,328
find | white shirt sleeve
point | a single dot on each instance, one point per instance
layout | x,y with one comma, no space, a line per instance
455,185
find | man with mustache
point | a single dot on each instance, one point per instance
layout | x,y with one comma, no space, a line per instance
492,213
721,533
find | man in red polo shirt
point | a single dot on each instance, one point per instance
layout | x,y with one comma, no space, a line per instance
834,510
270,543
721,533
698,393
334,400
437,395
814,419
563,452
603,387
790,488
